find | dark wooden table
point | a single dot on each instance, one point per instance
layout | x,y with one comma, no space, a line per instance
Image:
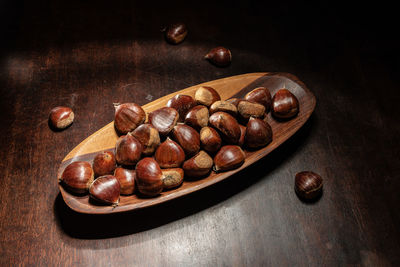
90,54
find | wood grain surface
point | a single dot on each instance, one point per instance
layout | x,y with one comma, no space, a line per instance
90,54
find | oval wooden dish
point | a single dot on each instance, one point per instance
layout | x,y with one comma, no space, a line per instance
235,86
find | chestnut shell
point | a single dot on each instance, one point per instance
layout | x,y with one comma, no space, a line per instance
128,116
128,150
105,189
149,177
77,177
284,104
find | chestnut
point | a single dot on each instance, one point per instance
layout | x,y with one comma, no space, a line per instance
128,150
206,95
128,116
260,95
61,117
126,178
149,178
197,117
210,139
224,106
175,33
198,166
77,177
172,177
258,133
227,126
229,157
242,135
284,104
187,137
164,119
247,109
182,103
308,185
104,163
219,56
148,136
169,154
105,189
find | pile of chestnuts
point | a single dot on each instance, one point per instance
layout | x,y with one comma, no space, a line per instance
187,139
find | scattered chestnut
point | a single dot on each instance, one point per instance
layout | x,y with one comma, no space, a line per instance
198,166
227,126
164,119
148,136
187,137
247,109
210,139
128,150
126,178
258,133
242,135
176,33
77,177
219,56
260,95
104,163
284,104
172,177
206,95
169,154
128,116
229,157
149,178
308,185
182,103
105,189
197,117
224,106
61,117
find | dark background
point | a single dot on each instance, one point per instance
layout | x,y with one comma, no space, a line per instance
90,54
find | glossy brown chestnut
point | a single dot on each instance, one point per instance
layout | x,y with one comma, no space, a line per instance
128,116
169,154
61,117
206,95
164,119
284,104
258,133
182,103
224,106
197,117
77,177
210,140
227,126
172,178
126,178
219,56
176,33
128,150
249,109
234,101
242,135
308,185
148,136
149,178
104,163
198,166
260,95
229,157
187,137
105,189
